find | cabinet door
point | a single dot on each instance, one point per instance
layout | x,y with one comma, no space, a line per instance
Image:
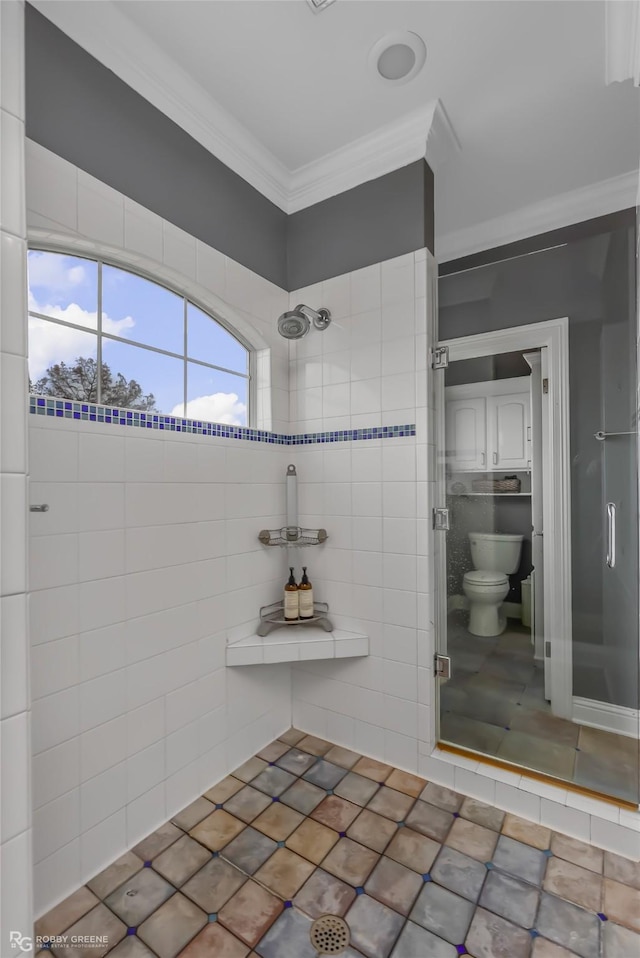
508,432
466,435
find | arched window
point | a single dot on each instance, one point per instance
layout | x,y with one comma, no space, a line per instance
103,334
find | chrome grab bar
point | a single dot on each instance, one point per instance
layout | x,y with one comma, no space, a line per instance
611,535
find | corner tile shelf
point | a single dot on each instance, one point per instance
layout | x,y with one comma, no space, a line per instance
297,644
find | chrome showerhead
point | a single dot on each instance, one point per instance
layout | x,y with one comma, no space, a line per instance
296,323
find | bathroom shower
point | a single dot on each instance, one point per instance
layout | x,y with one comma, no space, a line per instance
296,323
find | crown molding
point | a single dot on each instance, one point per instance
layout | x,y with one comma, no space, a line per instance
373,155
622,41
116,42
575,206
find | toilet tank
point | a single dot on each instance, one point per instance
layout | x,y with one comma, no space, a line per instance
495,552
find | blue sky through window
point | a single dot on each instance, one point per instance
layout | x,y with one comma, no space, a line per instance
65,288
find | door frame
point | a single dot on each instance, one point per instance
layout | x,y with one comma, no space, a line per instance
552,336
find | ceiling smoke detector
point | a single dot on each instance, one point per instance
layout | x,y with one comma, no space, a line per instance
319,5
398,57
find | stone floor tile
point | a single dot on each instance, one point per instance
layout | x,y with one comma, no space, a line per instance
249,769
181,860
324,894
394,885
314,745
622,904
66,913
606,773
391,804
511,898
545,726
97,922
374,927
172,926
224,790
217,830
278,821
412,849
288,937
325,774
139,896
520,860
622,748
527,832
405,782
214,941
619,942
622,869
543,948
459,873
580,853
155,843
273,781
573,883
303,796
372,830
214,885
443,913
342,756
247,804
249,850
474,840
336,813
441,797
129,947
193,813
430,821
292,736
370,768
569,926
351,862
415,941
356,788
285,873
296,761
250,913
481,814
113,876
312,840
273,751
493,937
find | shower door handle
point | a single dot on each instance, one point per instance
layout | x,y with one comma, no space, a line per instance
611,535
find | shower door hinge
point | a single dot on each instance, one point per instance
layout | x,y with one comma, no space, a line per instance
547,649
440,357
545,386
442,666
441,520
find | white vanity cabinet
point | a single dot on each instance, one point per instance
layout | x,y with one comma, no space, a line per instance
488,426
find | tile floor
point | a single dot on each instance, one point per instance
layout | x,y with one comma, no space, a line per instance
495,704
308,828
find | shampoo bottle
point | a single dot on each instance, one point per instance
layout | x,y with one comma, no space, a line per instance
291,609
305,596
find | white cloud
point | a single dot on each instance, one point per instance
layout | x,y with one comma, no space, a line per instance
219,407
55,272
50,343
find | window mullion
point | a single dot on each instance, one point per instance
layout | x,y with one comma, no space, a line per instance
99,346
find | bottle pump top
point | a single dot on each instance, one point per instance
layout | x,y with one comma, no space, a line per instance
292,580
305,578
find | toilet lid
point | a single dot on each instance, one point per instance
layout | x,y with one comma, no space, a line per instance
485,577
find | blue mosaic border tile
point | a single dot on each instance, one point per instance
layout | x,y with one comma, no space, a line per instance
89,412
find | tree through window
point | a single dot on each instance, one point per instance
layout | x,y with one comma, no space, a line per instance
100,333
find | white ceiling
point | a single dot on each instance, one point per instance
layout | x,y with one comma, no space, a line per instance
523,84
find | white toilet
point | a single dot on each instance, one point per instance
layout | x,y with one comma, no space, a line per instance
494,558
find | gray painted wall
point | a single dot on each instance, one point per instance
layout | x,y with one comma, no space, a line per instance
80,110
576,280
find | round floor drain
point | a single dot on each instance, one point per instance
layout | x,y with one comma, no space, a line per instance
330,935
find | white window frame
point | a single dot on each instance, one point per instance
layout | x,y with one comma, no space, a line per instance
158,273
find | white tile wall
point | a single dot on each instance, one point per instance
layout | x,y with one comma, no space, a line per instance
144,566
16,900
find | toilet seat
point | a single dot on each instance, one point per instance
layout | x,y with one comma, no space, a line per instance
485,577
